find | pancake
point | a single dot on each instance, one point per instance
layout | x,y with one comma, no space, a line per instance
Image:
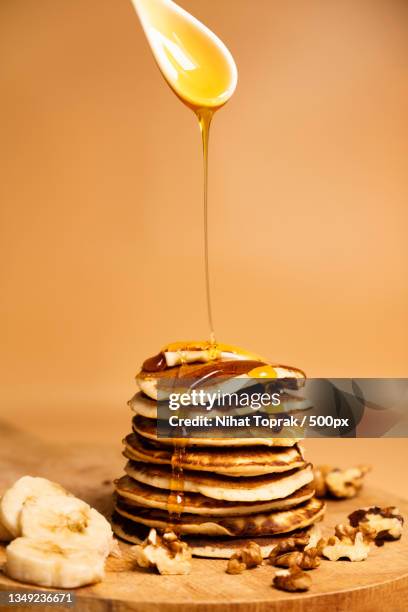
261,524
180,353
231,375
147,407
148,429
251,461
211,548
143,405
138,494
209,364
256,488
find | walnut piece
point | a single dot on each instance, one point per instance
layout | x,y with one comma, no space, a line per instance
307,560
292,579
304,551
167,554
347,544
287,546
381,523
235,566
248,557
320,472
345,533
338,483
252,555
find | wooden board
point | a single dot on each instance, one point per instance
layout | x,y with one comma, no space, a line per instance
380,583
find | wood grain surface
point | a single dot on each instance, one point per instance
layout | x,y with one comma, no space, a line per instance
379,583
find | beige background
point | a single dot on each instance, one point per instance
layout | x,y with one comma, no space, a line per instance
100,229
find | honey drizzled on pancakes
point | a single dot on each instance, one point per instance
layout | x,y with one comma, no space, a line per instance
211,365
198,363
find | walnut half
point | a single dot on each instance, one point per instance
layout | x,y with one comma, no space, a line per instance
287,546
246,558
383,523
298,551
292,579
342,484
167,554
307,560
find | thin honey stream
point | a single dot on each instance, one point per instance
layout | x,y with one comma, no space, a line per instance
205,116
175,501
201,71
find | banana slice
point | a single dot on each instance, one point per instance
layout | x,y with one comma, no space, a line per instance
52,564
67,521
13,500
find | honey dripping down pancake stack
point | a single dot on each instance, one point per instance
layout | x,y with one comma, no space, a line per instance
215,492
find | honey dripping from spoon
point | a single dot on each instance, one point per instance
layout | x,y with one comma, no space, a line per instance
201,71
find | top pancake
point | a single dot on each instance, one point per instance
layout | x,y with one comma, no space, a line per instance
147,429
210,365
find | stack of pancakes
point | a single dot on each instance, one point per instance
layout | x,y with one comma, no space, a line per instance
215,491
